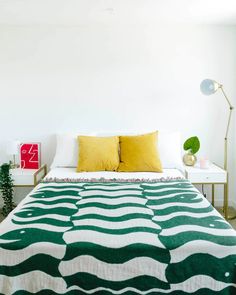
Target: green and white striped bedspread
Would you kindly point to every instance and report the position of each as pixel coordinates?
(117, 238)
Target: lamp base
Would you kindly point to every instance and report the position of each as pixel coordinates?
(231, 212)
(13, 166)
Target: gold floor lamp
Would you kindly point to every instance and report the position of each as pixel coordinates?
(209, 87)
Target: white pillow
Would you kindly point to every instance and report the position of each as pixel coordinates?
(169, 145)
(66, 151)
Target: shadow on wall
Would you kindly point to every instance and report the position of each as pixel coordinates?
(48, 149)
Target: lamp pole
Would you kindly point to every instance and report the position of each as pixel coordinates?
(209, 87)
(226, 199)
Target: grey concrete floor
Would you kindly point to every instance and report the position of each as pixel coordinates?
(233, 223)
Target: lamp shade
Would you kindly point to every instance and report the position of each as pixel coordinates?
(13, 147)
(209, 86)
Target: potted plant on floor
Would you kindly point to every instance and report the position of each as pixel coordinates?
(6, 188)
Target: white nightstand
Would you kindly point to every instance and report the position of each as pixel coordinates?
(213, 175)
(28, 177)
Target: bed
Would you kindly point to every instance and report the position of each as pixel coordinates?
(116, 233)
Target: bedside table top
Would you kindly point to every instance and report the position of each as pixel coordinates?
(214, 174)
(26, 172)
(213, 168)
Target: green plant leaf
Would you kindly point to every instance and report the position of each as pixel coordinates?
(192, 144)
(6, 189)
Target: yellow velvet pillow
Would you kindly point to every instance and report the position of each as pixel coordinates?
(98, 153)
(139, 153)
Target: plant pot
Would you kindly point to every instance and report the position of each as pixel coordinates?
(189, 159)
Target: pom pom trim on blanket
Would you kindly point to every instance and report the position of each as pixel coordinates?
(107, 180)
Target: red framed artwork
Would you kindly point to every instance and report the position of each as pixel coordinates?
(30, 155)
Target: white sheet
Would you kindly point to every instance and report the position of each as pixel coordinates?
(62, 173)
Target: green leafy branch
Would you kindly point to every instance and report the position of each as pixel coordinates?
(6, 188)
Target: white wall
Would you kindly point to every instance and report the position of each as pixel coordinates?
(110, 77)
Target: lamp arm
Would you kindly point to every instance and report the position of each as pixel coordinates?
(228, 124)
(230, 111)
(229, 103)
(226, 141)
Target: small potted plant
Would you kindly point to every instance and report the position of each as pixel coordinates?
(192, 146)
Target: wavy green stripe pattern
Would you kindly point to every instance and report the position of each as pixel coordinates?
(174, 214)
(142, 283)
(225, 291)
(120, 255)
(36, 262)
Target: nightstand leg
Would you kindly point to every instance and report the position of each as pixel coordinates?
(213, 195)
(45, 170)
(226, 201)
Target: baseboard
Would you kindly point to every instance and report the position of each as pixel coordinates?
(218, 203)
(233, 204)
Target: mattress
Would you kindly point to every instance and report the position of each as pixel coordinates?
(116, 233)
(70, 173)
